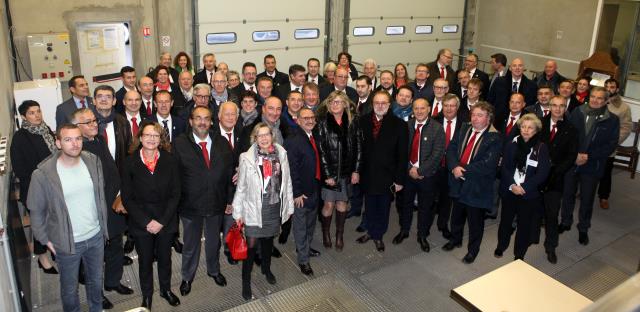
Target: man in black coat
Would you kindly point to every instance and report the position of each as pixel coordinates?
(421, 86)
(304, 162)
(270, 70)
(205, 75)
(550, 76)
(295, 82)
(128, 76)
(471, 65)
(441, 68)
(313, 72)
(339, 84)
(172, 124)
(384, 168)
(79, 88)
(562, 139)
(114, 257)
(206, 167)
(386, 83)
(504, 86)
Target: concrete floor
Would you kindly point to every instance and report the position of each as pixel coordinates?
(403, 278)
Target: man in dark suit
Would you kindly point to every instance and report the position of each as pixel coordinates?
(541, 108)
(598, 133)
(220, 94)
(500, 69)
(451, 124)
(471, 65)
(339, 84)
(386, 83)
(472, 158)
(421, 88)
(440, 89)
(296, 80)
(205, 75)
(441, 68)
(567, 89)
(462, 83)
(271, 71)
(550, 76)
(113, 127)
(313, 72)
(248, 78)
(92, 142)
(201, 97)
(505, 86)
(146, 87)
(369, 69)
(509, 127)
(474, 94)
(562, 139)
(265, 89)
(80, 98)
(311, 95)
(185, 92)
(172, 124)
(304, 162)
(165, 60)
(426, 149)
(132, 111)
(363, 88)
(128, 76)
(384, 169)
(206, 195)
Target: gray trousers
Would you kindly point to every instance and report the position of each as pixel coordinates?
(191, 235)
(304, 224)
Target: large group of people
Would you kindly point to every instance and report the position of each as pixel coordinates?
(276, 152)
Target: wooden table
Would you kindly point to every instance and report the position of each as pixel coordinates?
(518, 286)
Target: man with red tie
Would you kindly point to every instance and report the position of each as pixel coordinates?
(80, 98)
(508, 127)
(440, 89)
(426, 148)
(304, 161)
(132, 111)
(441, 68)
(472, 158)
(541, 108)
(147, 107)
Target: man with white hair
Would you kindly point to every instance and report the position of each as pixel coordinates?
(369, 68)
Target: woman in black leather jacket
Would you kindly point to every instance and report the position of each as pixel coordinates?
(340, 152)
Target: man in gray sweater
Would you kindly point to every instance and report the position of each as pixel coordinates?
(69, 214)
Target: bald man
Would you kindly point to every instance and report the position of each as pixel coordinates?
(550, 76)
(517, 82)
(441, 68)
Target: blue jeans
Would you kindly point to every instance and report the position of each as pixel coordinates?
(91, 253)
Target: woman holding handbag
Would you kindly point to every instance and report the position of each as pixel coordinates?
(263, 200)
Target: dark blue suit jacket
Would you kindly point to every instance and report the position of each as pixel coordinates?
(64, 111)
(599, 143)
(302, 161)
(178, 125)
(351, 93)
(535, 177)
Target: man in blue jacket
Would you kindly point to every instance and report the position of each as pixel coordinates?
(598, 131)
(472, 159)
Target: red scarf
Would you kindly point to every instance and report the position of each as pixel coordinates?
(376, 126)
(163, 86)
(581, 96)
(150, 164)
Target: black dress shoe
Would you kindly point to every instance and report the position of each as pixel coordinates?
(469, 258)
(185, 288)
(51, 270)
(552, 257)
(106, 304)
(276, 252)
(230, 258)
(399, 238)
(146, 302)
(313, 252)
(306, 269)
(563, 228)
(121, 289)
(177, 245)
(450, 246)
(219, 279)
(246, 292)
(424, 244)
(128, 246)
(498, 253)
(583, 238)
(126, 260)
(360, 229)
(170, 297)
(446, 233)
(363, 239)
(271, 279)
(379, 245)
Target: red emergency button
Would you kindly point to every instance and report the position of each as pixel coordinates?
(60, 74)
(44, 76)
(53, 75)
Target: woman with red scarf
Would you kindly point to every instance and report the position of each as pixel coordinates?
(582, 90)
(161, 79)
(150, 193)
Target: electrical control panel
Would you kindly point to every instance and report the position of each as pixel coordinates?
(50, 56)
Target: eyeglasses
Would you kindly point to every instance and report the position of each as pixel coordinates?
(88, 122)
(104, 97)
(337, 102)
(151, 136)
(203, 97)
(312, 118)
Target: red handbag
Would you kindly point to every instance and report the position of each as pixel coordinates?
(236, 242)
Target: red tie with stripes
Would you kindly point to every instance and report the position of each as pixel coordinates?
(466, 155)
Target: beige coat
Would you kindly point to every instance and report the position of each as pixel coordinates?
(623, 111)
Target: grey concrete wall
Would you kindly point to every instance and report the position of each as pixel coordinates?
(528, 29)
(6, 77)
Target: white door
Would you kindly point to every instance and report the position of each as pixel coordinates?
(403, 31)
(103, 52)
(237, 32)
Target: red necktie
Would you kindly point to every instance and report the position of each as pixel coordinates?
(466, 155)
(510, 125)
(104, 135)
(553, 133)
(442, 72)
(83, 104)
(447, 134)
(435, 110)
(415, 145)
(148, 108)
(230, 140)
(205, 154)
(315, 150)
(546, 112)
(134, 126)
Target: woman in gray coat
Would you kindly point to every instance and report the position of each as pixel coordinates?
(263, 200)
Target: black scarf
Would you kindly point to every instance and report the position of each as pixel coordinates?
(104, 121)
(523, 150)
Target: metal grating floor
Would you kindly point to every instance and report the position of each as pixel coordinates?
(403, 278)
